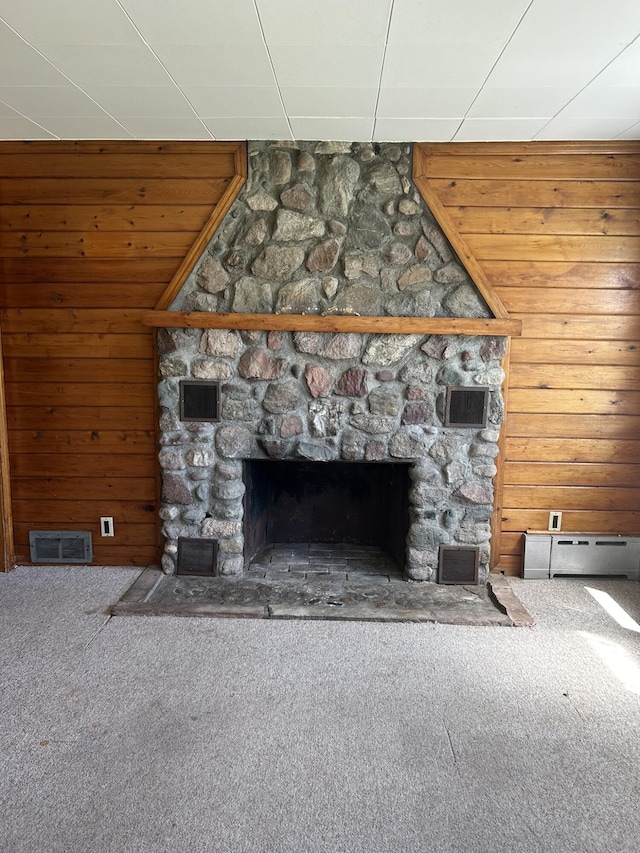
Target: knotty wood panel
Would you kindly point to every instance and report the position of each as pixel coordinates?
(91, 236)
(554, 228)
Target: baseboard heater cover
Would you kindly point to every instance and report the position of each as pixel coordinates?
(60, 546)
(550, 555)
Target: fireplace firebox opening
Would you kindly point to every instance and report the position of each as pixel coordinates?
(352, 503)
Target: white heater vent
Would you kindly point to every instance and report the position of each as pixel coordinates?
(60, 546)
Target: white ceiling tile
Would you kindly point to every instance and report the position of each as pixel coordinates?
(498, 129)
(338, 102)
(338, 129)
(49, 100)
(84, 127)
(415, 130)
(610, 101)
(69, 22)
(17, 127)
(21, 65)
(566, 49)
(458, 65)
(141, 100)
(456, 21)
(232, 101)
(625, 68)
(196, 21)
(153, 127)
(329, 66)
(243, 127)
(6, 110)
(356, 22)
(426, 103)
(521, 102)
(216, 65)
(632, 132)
(108, 64)
(583, 128)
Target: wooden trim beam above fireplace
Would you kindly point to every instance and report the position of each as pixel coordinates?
(334, 323)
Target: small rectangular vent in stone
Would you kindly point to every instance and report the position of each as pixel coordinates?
(199, 401)
(466, 407)
(60, 546)
(197, 556)
(458, 564)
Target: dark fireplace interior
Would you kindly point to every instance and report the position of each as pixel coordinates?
(357, 503)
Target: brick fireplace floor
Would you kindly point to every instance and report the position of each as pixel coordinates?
(310, 582)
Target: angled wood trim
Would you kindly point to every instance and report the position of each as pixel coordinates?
(7, 547)
(333, 323)
(498, 481)
(458, 243)
(219, 212)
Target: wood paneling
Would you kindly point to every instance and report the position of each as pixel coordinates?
(91, 237)
(555, 229)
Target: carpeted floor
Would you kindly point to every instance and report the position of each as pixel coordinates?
(149, 735)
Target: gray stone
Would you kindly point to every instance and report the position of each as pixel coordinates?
(405, 229)
(274, 340)
(342, 345)
(333, 148)
(306, 163)
(199, 457)
(307, 342)
(408, 443)
(451, 273)
(296, 197)
(407, 207)
(488, 471)
(450, 375)
(368, 229)
(423, 249)
(212, 276)
(358, 263)
(397, 253)
(477, 493)
(323, 257)
(375, 450)
(175, 489)
(298, 297)
(383, 402)
(281, 398)
(439, 347)
(206, 369)
(229, 470)
(421, 565)
(385, 376)
(389, 349)
(493, 349)
(319, 380)
(410, 303)
(278, 263)
(330, 286)
(228, 490)
(444, 449)
(281, 167)
(237, 390)
(200, 302)
(275, 449)
(226, 509)
(173, 367)
(168, 394)
(230, 565)
(484, 448)
(352, 446)
(239, 410)
(338, 179)
(221, 528)
(337, 228)
(353, 383)
(373, 424)
(252, 297)
(167, 564)
(494, 376)
(325, 417)
(256, 233)
(233, 442)
(437, 240)
(220, 342)
(262, 201)
(358, 299)
(166, 341)
(291, 225)
(416, 371)
(384, 179)
(258, 364)
(314, 452)
(456, 472)
(171, 460)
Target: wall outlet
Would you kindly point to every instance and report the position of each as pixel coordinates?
(106, 525)
(555, 521)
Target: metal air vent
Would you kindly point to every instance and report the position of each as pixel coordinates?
(60, 546)
(197, 556)
(199, 400)
(458, 564)
(466, 407)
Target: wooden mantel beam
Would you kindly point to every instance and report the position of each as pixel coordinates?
(333, 323)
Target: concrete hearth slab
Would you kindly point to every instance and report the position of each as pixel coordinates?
(361, 598)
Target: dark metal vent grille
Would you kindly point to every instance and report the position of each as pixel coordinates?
(458, 564)
(466, 407)
(197, 556)
(60, 546)
(199, 401)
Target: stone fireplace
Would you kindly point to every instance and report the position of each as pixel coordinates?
(325, 435)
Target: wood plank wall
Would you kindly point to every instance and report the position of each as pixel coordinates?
(556, 230)
(91, 235)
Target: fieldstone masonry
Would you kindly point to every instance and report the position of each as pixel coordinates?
(329, 228)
